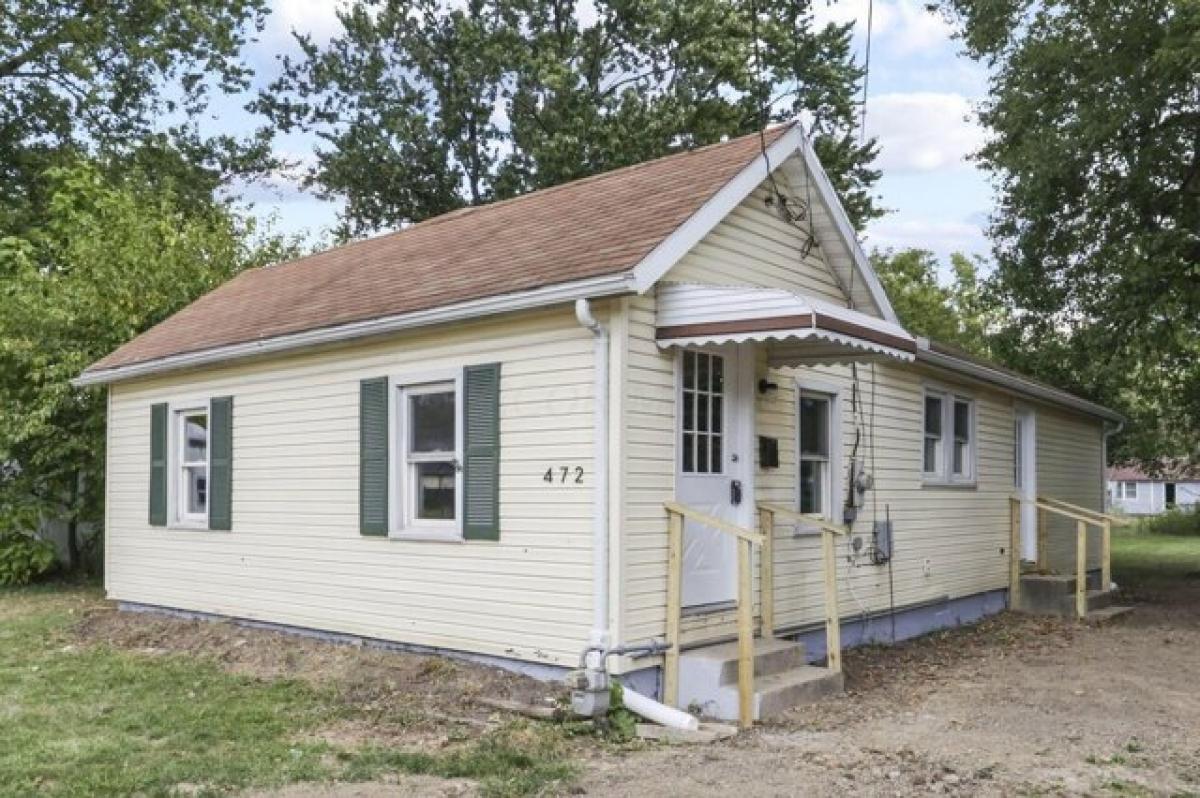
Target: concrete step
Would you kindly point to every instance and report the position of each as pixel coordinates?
(717, 665)
(1054, 594)
(1107, 615)
(774, 695)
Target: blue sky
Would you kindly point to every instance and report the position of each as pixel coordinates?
(922, 95)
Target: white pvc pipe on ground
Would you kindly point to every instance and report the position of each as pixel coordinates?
(662, 714)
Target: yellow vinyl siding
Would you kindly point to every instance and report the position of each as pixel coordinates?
(295, 555)
(1070, 466)
(753, 246)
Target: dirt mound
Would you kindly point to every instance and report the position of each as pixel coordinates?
(399, 688)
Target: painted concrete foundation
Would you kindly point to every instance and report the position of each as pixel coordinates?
(545, 673)
(910, 622)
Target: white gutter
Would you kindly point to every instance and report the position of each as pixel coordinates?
(1012, 382)
(609, 285)
(599, 636)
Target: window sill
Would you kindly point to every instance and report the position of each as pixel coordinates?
(427, 535)
(942, 483)
(190, 526)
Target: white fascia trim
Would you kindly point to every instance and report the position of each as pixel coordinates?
(837, 212)
(659, 261)
(608, 285)
(1013, 383)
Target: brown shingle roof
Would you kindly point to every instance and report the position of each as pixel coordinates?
(593, 227)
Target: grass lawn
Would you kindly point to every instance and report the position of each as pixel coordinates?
(1144, 559)
(81, 720)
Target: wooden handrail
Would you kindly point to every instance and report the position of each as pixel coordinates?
(804, 518)
(1083, 518)
(833, 628)
(712, 521)
(1115, 519)
(746, 539)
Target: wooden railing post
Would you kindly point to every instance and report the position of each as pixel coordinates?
(833, 631)
(674, 606)
(1043, 561)
(1081, 569)
(1014, 560)
(767, 577)
(745, 614)
(1106, 556)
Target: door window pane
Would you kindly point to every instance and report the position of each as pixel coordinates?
(701, 420)
(431, 416)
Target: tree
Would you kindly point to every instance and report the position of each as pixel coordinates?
(1094, 115)
(81, 76)
(109, 260)
(962, 313)
(426, 105)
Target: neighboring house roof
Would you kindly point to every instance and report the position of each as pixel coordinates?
(1172, 472)
(612, 233)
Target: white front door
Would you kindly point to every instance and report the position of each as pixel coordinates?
(1025, 477)
(712, 468)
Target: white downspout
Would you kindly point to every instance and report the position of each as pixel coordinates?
(599, 637)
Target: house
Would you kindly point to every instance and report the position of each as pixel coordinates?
(1134, 492)
(464, 436)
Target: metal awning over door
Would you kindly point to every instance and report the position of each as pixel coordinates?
(795, 328)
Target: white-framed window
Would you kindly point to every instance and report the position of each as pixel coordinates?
(948, 450)
(427, 481)
(191, 466)
(815, 449)
(1127, 490)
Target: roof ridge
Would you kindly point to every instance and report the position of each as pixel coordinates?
(458, 213)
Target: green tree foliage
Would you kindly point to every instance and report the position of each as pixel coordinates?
(961, 313)
(108, 260)
(85, 76)
(425, 105)
(1094, 114)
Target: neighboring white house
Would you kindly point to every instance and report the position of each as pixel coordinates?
(461, 436)
(1132, 491)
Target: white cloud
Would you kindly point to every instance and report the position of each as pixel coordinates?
(923, 131)
(941, 236)
(916, 29)
(902, 27)
(315, 17)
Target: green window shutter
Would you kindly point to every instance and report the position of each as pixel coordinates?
(373, 456)
(481, 447)
(158, 465)
(220, 463)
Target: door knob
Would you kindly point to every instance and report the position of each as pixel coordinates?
(735, 492)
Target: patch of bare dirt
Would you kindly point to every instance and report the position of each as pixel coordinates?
(407, 699)
(410, 786)
(1014, 705)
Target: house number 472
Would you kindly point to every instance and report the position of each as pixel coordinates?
(563, 474)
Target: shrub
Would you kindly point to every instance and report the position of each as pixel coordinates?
(1179, 522)
(23, 557)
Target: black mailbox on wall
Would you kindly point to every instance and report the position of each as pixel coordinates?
(768, 452)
